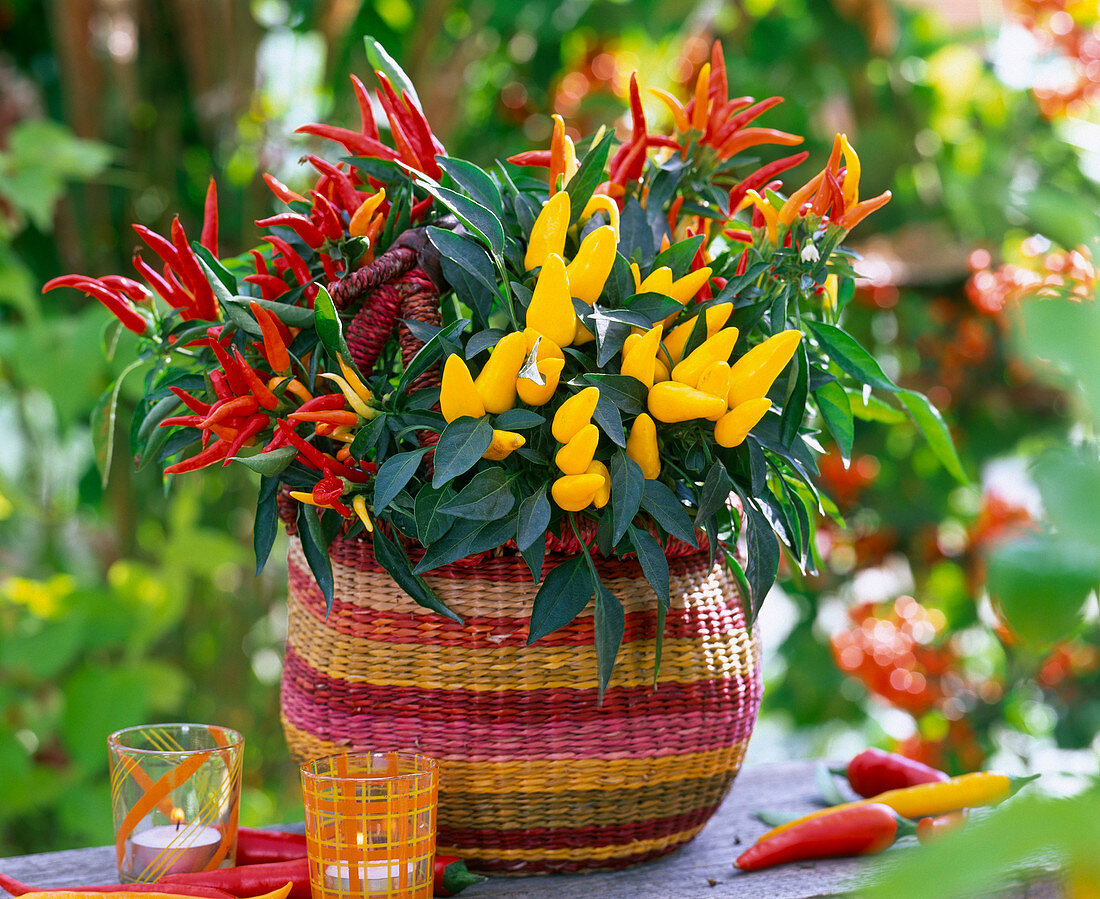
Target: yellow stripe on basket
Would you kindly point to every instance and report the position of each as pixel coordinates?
(552, 775)
(598, 853)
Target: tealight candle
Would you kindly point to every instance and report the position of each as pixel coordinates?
(171, 849)
(379, 875)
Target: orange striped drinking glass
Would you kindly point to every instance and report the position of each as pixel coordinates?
(370, 824)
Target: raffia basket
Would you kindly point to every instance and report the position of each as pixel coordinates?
(536, 776)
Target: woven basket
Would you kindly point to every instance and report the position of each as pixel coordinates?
(535, 775)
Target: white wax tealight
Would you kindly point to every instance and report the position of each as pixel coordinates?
(169, 849)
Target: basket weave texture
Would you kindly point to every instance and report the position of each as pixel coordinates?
(535, 775)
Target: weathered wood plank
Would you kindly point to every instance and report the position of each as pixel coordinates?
(701, 870)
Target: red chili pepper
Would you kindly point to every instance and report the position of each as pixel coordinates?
(159, 245)
(299, 224)
(290, 255)
(859, 830)
(274, 348)
(217, 381)
(128, 287)
(195, 405)
(118, 304)
(191, 273)
(875, 771)
(18, 888)
(235, 407)
(743, 262)
(190, 421)
(256, 386)
(355, 143)
(366, 113)
(328, 490)
(451, 876)
(341, 183)
(209, 238)
(233, 375)
(539, 158)
(330, 222)
(324, 402)
(739, 121)
(250, 880)
(264, 846)
(420, 209)
(334, 417)
(213, 453)
(318, 459)
(271, 286)
(251, 427)
(931, 829)
(281, 191)
(763, 175)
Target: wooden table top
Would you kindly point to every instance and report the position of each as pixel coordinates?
(701, 870)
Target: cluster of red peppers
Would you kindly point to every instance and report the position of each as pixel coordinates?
(895, 791)
(271, 864)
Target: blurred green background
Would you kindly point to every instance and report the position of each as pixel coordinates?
(123, 604)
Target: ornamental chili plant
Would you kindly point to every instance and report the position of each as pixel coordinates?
(616, 342)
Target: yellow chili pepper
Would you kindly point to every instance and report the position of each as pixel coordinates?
(534, 395)
(641, 359)
(582, 335)
(457, 394)
(641, 446)
(717, 316)
(603, 203)
(304, 496)
(683, 289)
(576, 455)
(588, 271)
(671, 401)
(360, 222)
(657, 281)
(714, 349)
(604, 493)
(293, 386)
(504, 443)
(789, 212)
(547, 348)
(574, 414)
(661, 371)
(573, 492)
(832, 290)
(361, 389)
(715, 380)
(938, 798)
(733, 427)
(496, 385)
(770, 213)
(551, 309)
(359, 504)
(679, 117)
(548, 232)
(850, 188)
(754, 373)
(350, 395)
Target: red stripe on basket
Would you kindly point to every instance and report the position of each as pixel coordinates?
(495, 725)
(573, 837)
(428, 628)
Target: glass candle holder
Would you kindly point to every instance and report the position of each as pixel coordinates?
(175, 793)
(370, 824)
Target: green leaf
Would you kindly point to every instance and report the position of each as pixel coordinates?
(266, 526)
(668, 511)
(222, 281)
(794, 406)
(609, 420)
(763, 553)
(519, 420)
(469, 257)
(461, 444)
(826, 785)
(487, 497)
(836, 412)
(476, 182)
(716, 491)
(609, 625)
(292, 316)
(481, 222)
(935, 431)
(393, 475)
(369, 435)
(391, 556)
(465, 538)
(628, 394)
(654, 307)
(427, 355)
(103, 422)
(627, 487)
(329, 328)
(659, 641)
(654, 562)
(866, 407)
(588, 176)
(534, 556)
(532, 519)
(679, 256)
(849, 356)
(271, 463)
(431, 523)
(381, 61)
(1040, 583)
(563, 595)
(315, 549)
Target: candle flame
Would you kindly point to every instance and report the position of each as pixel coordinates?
(177, 817)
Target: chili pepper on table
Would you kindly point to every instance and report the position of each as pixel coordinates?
(931, 799)
(18, 888)
(875, 771)
(931, 829)
(248, 880)
(859, 830)
(256, 846)
(451, 876)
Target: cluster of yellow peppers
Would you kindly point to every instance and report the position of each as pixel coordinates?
(702, 385)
